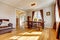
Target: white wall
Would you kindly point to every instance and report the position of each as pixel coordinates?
(29, 13)
(49, 20)
(8, 12)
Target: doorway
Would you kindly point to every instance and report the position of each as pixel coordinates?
(22, 20)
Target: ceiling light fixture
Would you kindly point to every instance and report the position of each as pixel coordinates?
(33, 4)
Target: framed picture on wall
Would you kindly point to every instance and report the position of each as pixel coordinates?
(48, 13)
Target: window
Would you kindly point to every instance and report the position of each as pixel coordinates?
(37, 16)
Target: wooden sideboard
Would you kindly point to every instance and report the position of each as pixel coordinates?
(34, 24)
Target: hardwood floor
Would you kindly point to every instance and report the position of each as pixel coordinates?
(48, 34)
(6, 35)
(30, 34)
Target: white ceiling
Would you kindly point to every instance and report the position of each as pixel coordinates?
(26, 4)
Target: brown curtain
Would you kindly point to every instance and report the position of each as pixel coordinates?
(58, 2)
(54, 26)
(33, 14)
(41, 11)
(59, 13)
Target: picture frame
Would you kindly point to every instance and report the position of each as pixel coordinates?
(48, 13)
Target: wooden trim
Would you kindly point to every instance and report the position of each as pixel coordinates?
(17, 21)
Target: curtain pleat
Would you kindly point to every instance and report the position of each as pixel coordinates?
(41, 11)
